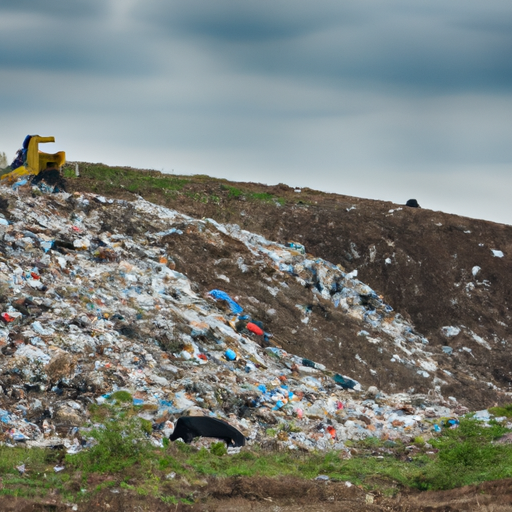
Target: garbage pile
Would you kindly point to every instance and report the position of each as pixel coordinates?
(92, 305)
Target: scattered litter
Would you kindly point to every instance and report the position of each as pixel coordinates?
(109, 312)
(450, 331)
(220, 295)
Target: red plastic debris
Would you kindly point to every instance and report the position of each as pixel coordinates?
(75, 228)
(7, 318)
(332, 431)
(203, 357)
(255, 329)
(35, 276)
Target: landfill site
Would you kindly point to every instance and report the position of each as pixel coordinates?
(250, 316)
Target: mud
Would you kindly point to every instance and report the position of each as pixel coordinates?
(284, 495)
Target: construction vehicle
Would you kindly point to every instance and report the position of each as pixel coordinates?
(30, 161)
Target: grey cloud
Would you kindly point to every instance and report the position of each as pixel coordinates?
(231, 21)
(367, 98)
(83, 47)
(423, 48)
(55, 8)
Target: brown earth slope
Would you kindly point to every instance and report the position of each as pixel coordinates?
(436, 269)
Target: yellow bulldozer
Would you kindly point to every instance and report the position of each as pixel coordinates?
(30, 161)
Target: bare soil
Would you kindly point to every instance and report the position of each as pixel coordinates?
(285, 495)
(420, 260)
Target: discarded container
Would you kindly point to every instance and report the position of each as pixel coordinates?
(251, 326)
(230, 355)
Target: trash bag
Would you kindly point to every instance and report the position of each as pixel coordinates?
(345, 383)
(189, 427)
(251, 326)
(220, 295)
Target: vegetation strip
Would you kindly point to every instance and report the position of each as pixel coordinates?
(122, 458)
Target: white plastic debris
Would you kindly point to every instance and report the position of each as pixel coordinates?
(450, 331)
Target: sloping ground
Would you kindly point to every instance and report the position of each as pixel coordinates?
(102, 294)
(436, 269)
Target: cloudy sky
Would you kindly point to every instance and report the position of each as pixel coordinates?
(387, 99)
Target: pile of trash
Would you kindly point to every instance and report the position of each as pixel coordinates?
(91, 307)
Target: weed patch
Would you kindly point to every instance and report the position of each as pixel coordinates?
(123, 457)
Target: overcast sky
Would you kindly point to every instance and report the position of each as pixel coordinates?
(387, 99)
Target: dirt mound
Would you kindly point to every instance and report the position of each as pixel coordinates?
(449, 275)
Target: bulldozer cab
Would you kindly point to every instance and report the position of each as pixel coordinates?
(32, 161)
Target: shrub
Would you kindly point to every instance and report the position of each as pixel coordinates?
(121, 442)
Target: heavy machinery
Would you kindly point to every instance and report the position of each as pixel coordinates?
(29, 160)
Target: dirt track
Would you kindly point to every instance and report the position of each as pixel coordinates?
(286, 495)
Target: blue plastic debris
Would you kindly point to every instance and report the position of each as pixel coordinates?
(19, 184)
(220, 295)
(230, 354)
(138, 401)
(46, 246)
(298, 247)
(169, 232)
(344, 383)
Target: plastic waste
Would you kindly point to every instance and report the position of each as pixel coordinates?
(220, 295)
(230, 354)
(297, 246)
(251, 326)
(344, 382)
(121, 319)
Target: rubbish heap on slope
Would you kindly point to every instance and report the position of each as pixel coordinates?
(88, 311)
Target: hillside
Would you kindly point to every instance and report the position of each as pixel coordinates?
(345, 339)
(437, 270)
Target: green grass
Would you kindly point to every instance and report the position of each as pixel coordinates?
(505, 410)
(123, 457)
(108, 179)
(159, 187)
(467, 455)
(265, 197)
